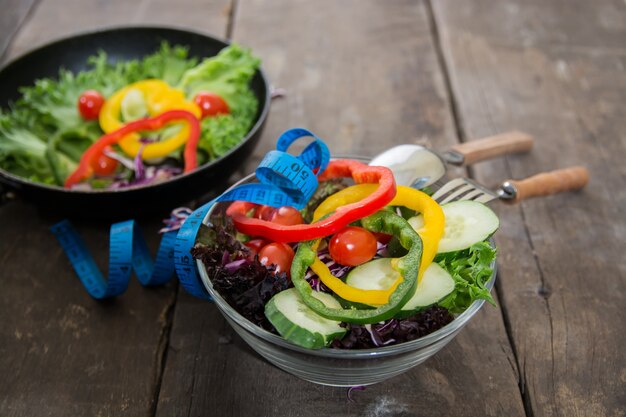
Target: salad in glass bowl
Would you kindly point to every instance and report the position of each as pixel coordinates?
(394, 279)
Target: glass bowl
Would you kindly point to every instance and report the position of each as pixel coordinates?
(337, 367)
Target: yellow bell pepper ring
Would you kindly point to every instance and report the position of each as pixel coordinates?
(348, 292)
(430, 233)
(159, 97)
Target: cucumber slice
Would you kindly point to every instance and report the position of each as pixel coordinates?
(467, 222)
(133, 105)
(379, 275)
(435, 285)
(373, 275)
(296, 322)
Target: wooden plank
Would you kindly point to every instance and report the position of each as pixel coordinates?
(556, 70)
(364, 76)
(52, 20)
(13, 14)
(62, 353)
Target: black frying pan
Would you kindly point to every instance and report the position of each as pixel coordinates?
(122, 44)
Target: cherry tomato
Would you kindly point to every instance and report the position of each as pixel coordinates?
(211, 104)
(352, 246)
(264, 212)
(89, 104)
(241, 207)
(278, 254)
(286, 215)
(104, 165)
(255, 245)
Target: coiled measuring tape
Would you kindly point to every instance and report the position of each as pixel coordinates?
(284, 180)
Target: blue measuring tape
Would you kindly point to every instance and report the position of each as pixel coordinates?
(284, 180)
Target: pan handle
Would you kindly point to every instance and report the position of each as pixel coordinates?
(490, 147)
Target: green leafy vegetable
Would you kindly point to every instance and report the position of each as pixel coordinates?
(23, 153)
(471, 269)
(42, 135)
(228, 74)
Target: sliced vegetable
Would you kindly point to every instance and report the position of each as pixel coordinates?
(379, 274)
(133, 105)
(89, 104)
(467, 223)
(436, 284)
(390, 302)
(48, 111)
(344, 212)
(408, 197)
(158, 97)
(85, 169)
(296, 322)
(352, 246)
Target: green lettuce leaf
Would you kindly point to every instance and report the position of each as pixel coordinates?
(228, 74)
(471, 269)
(23, 153)
(43, 136)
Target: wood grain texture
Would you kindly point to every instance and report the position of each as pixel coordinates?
(56, 19)
(13, 14)
(364, 76)
(62, 353)
(557, 70)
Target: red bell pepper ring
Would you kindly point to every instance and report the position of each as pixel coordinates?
(344, 215)
(85, 170)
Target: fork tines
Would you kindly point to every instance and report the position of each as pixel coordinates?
(463, 189)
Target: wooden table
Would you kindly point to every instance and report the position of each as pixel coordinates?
(365, 75)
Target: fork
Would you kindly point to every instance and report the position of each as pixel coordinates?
(514, 191)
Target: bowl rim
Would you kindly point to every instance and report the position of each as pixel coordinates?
(383, 351)
(265, 106)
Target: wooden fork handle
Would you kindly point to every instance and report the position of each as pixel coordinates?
(548, 183)
(493, 146)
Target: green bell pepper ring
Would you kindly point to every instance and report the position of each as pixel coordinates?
(408, 266)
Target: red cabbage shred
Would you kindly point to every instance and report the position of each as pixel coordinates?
(394, 331)
(248, 287)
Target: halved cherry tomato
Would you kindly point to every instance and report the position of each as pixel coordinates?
(352, 246)
(104, 165)
(89, 104)
(255, 245)
(278, 254)
(211, 104)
